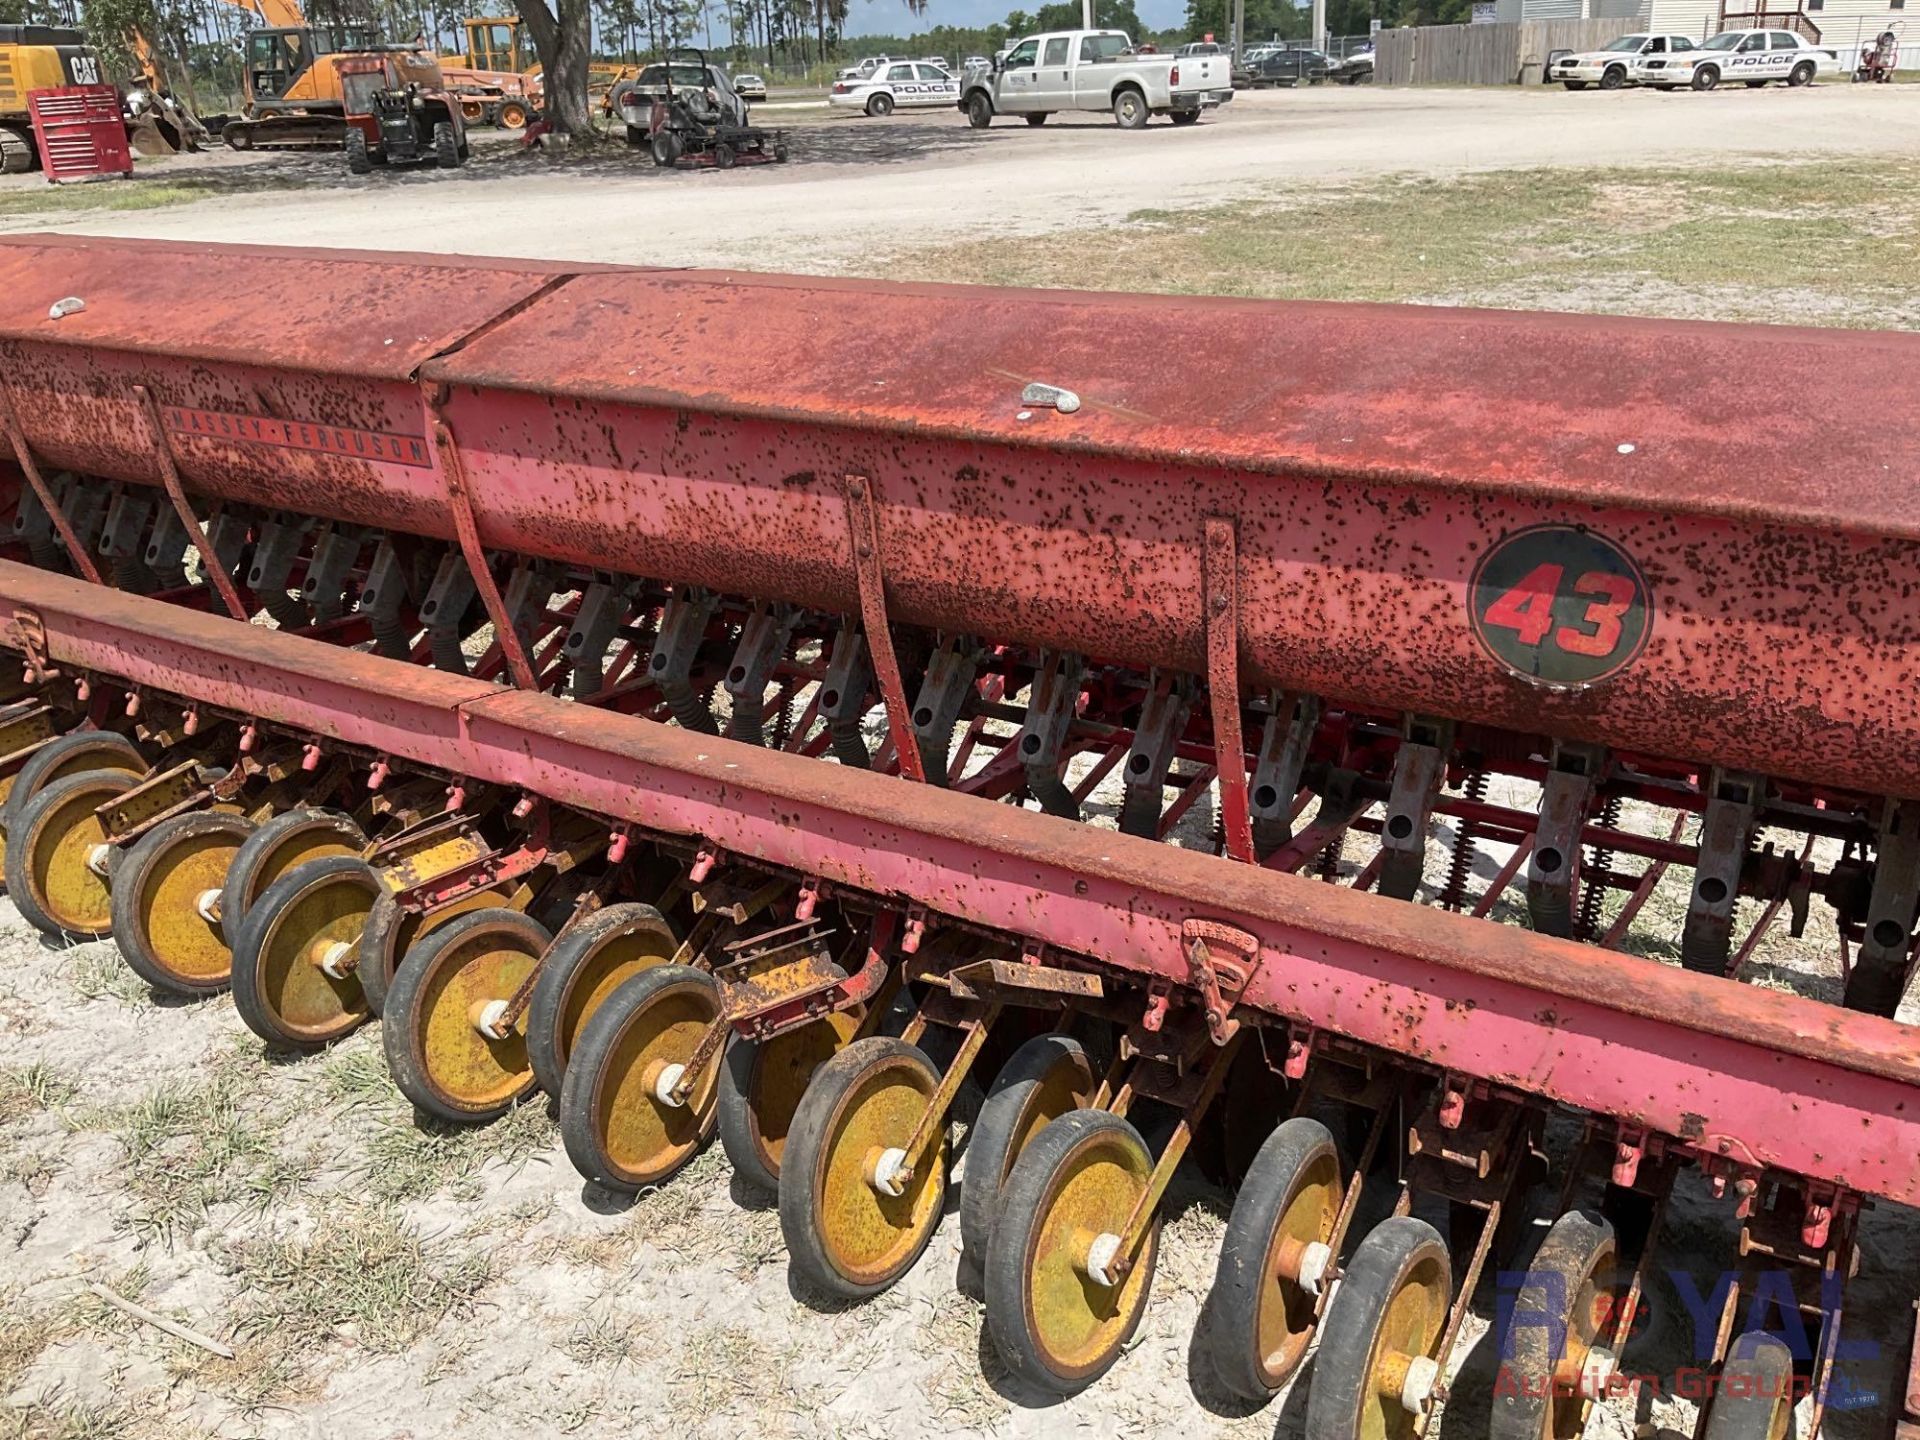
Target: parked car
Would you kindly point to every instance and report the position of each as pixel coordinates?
(750, 87)
(865, 68)
(1291, 67)
(1752, 56)
(632, 100)
(977, 62)
(1201, 47)
(1614, 64)
(1096, 70)
(902, 84)
(1356, 69)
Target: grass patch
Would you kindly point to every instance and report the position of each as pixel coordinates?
(26, 1090)
(1755, 241)
(360, 1275)
(410, 1156)
(97, 972)
(138, 193)
(194, 1145)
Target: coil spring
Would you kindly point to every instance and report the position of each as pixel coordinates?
(1453, 893)
(1327, 863)
(390, 637)
(782, 725)
(131, 573)
(287, 612)
(1593, 892)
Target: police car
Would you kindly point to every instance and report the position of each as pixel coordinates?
(1613, 66)
(1752, 56)
(903, 83)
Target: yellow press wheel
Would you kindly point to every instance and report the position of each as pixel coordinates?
(761, 1090)
(1044, 1079)
(393, 930)
(66, 755)
(294, 976)
(1275, 1260)
(275, 847)
(58, 858)
(1377, 1366)
(1566, 1300)
(1754, 1393)
(624, 1124)
(166, 910)
(853, 1222)
(586, 965)
(450, 1043)
(1061, 1298)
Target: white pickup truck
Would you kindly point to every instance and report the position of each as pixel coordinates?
(1095, 70)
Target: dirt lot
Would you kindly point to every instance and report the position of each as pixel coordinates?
(857, 183)
(379, 1275)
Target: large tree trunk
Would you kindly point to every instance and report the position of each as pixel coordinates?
(565, 44)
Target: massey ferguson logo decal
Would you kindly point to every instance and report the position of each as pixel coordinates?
(301, 435)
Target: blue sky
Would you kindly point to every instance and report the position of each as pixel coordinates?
(890, 17)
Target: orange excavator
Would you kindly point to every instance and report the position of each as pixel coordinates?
(292, 80)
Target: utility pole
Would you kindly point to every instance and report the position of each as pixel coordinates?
(1086, 14)
(1240, 28)
(1320, 25)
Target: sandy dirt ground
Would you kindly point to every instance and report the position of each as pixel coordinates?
(857, 183)
(378, 1275)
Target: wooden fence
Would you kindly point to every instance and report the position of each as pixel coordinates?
(1498, 54)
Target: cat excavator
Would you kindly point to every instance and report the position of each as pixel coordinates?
(36, 57)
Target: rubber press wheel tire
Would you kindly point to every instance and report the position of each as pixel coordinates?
(1613, 77)
(66, 755)
(979, 110)
(581, 969)
(1130, 110)
(1393, 1299)
(1753, 1399)
(446, 146)
(392, 931)
(761, 1089)
(49, 843)
(1566, 1299)
(1802, 75)
(1262, 1319)
(879, 105)
(1705, 77)
(1044, 1079)
(845, 1235)
(275, 847)
(157, 920)
(282, 994)
(618, 1132)
(1055, 1326)
(359, 158)
(439, 1057)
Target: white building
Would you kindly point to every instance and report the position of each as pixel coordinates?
(1842, 26)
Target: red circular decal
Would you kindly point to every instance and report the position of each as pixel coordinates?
(1560, 605)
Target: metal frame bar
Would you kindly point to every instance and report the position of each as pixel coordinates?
(1724, 1069)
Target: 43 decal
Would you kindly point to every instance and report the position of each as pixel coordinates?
(1560, 605)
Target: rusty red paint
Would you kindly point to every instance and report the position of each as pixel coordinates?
(1756, 1077)
(656, 424)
